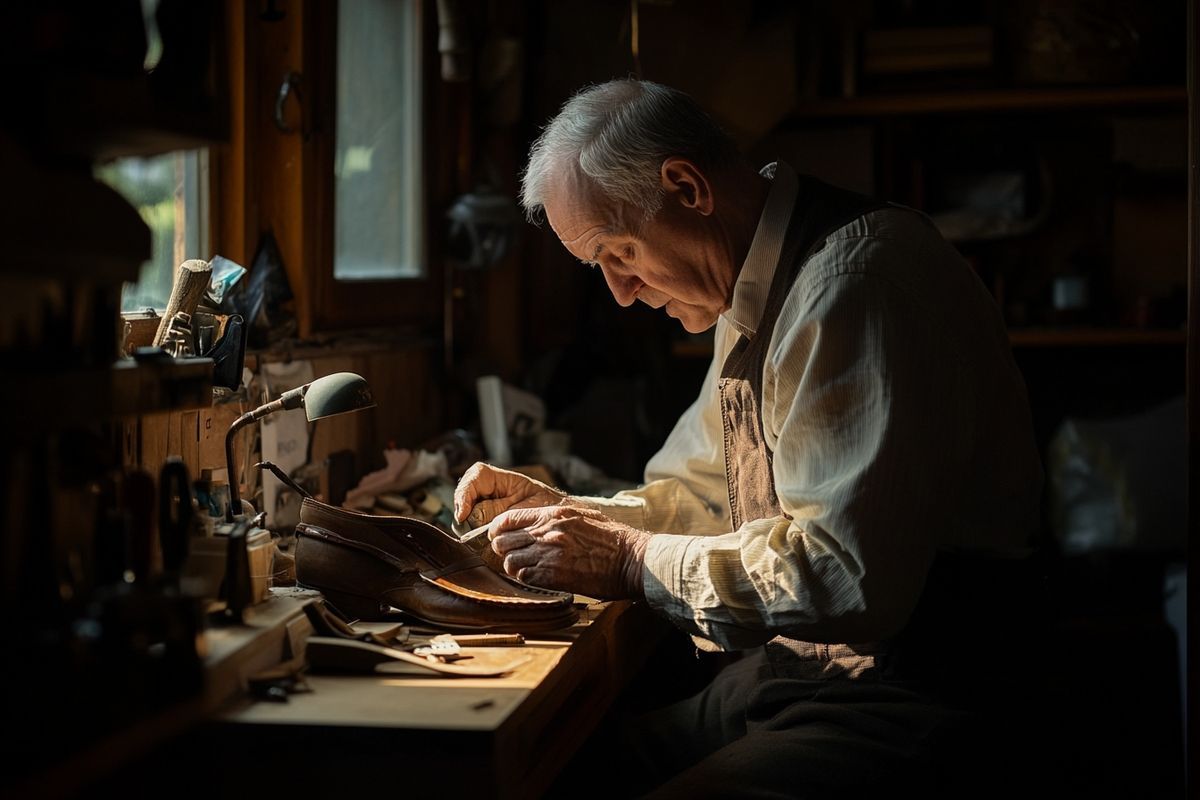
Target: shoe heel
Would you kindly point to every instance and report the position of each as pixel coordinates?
(352, 607)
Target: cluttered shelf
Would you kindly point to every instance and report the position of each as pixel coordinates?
(995, 100)
(701, 347)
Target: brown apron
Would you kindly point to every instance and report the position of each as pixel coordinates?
(943, 613)
(748, 458)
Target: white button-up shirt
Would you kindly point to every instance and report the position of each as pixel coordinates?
(899, 425)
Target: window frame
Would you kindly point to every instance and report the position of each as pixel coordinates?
(409, 303)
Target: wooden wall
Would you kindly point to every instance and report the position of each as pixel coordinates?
(408, 412)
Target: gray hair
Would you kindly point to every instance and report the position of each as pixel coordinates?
(619, 133)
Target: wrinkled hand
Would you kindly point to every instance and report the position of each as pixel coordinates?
(487, 491)
(571, 549)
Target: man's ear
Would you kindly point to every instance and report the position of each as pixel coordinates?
(684, 181)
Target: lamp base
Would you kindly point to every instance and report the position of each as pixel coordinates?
(204, 570)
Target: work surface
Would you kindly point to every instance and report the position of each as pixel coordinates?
(505, 737)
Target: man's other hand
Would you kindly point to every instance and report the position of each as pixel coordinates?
(571, 549)
(487, 491)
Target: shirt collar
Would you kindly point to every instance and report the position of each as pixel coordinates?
(754, 280)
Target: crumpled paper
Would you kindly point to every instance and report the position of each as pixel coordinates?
(403, 470)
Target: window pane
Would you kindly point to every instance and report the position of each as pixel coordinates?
(167, 192)
(376, 162)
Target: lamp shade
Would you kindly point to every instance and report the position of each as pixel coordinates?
(336, 394)
(333, 394)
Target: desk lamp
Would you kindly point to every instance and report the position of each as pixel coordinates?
(338, 393)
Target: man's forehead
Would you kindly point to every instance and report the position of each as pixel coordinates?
(569, 183)
(573, 204)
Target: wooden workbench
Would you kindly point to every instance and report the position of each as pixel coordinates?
(496, 737)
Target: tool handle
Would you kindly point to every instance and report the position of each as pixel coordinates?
(191, 280)
(175, 513)
(236, 589)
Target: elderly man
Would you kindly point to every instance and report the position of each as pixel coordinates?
(861, 423)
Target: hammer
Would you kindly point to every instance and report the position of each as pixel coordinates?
(191, 280)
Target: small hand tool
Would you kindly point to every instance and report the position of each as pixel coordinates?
(489, 639)
(476, 538)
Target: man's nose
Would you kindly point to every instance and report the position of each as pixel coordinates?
(624, 287)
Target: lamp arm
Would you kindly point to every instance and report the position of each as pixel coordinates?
(293, 398)
(235, 500)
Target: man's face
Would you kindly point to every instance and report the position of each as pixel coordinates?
(662, 262)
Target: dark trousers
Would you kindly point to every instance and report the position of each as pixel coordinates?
(816, 728)
(751, 734)
(950, 709)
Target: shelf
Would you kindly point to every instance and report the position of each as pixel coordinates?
(55, 400)
(148, 138)
(63, 224)
(102, 117)
(1020, 337)
(989, 100)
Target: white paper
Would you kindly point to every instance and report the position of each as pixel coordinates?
(284, 433)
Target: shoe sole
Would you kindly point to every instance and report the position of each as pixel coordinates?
(357, 607)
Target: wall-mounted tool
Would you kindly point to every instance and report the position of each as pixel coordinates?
(291, 85)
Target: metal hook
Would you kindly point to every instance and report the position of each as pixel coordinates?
(291, 83)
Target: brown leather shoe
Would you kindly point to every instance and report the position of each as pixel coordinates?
(367, 565)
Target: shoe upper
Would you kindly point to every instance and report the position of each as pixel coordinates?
(414, 546)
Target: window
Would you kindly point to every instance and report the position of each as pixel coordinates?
(376, 162)
(345, 180)
(170, 192)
